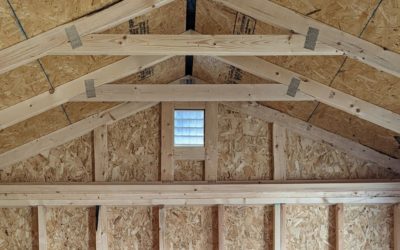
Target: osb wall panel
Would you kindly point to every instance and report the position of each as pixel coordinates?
(132, 228)
(10, 33)
(70, 162)
(248, 227)
(384, 28)
(308, 159)
(244, 147)
(191, 228)
(356, 129)
(32, 128)
(368, 227)
(16, 228)
(310, 227)
(134, 147)
(67, 228)
(189, 170)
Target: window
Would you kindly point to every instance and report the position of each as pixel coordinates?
(189, 128)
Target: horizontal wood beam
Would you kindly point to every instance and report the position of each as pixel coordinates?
(355, 47)
(222, 45)
(191, 92)
(314, 133)
(12, 195)
(71, 132)
(39, 46)
(46, 101)
(321, 92)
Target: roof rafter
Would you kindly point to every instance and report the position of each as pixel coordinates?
(45, 101)
(38, 46)
(321, 92)
(195, 44)
(362, 50)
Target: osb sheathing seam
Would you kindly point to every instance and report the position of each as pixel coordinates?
(10, 33)
(186, 170)
(368, 227)
(134, 147)
(67, 228)
(244, 147)
(248, 227)
(132, 228)
(70, 162)
(16, 228)
(310, 160)
(191, 228)
(310, 227)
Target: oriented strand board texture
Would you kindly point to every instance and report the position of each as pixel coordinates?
(310, 227)
(191, 228)
(132, 228)
(368, 227)
(134, 147)
(70, 162)
(248, 227)
(67, 228)
(356, 129)
(384, 28)
(244, 147)
(308, 159)
(10, 33)
(189, 170)
(32, 128)
(16, 228)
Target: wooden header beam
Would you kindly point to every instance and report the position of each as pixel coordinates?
(364, 51)
(39, 46)
(192, 93)
(12, 195)
(321, 92)
(187, 44)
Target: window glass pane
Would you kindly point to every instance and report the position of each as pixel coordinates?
(189, 128)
